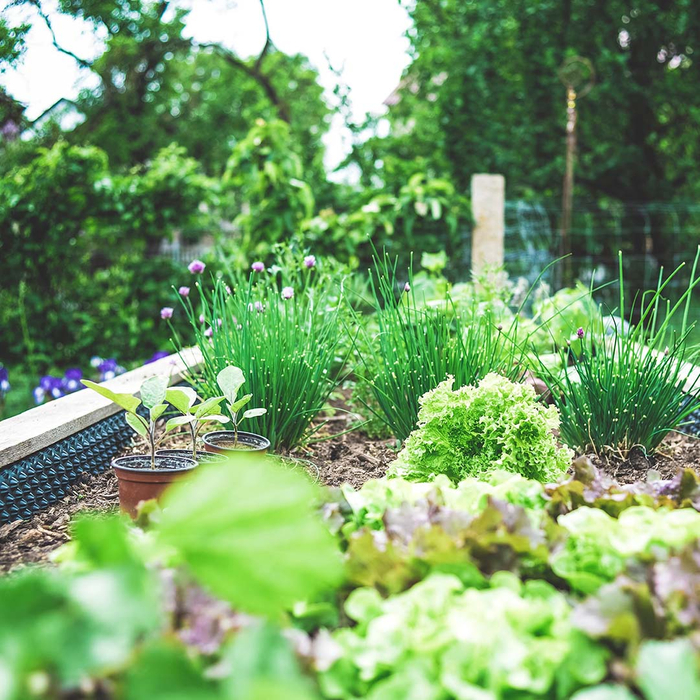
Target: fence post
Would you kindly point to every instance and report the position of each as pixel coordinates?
(488, 211)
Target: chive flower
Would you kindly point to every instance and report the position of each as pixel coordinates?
(310, 261)
(201, 318)
(184, 291)
(209, 332)
(166, 312)
(196, 267)
(258, 267)
(580, 333)
(287, 293)
(407, 287)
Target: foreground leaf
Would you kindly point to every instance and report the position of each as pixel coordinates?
(247, 531)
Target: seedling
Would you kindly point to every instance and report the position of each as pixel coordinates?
(152, 392)
(195, 417)
(230, 380)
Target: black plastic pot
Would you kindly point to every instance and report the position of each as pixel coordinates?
(224, 442)
(202, 456)
(138, 482)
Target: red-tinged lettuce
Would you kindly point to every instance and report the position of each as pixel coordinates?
(473, 431)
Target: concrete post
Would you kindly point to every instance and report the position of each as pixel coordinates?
(488, 211)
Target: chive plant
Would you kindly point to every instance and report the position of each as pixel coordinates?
(412, 348)
(284, 338)
(629, 388)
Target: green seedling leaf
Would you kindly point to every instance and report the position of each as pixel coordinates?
(230, 380)
(136, 422)
(234, 408)
(157, 412)
(209, 406)
(126, 401)
(215, 419)
(182, 398)
(668, 670)
(178, 421)
(254, 412)
(249, 534)
(153, 391)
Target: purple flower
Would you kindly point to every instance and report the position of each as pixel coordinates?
(39, 395)
(259, 306)
(159, 355)
(209, 332)
(109, 369)
(201, 318)
(71, 379)
(196, 267)
(258, 267)
(310, 261)
(407, 287)
(184, 291)
(287, 293)
(580, 333)
(4, 381)
(166, 312)
(10, 130)
(52, 386)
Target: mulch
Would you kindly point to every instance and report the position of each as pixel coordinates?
(349, 457)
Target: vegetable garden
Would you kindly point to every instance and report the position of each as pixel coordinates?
(522, 520)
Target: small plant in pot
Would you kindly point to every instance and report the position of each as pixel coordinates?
(143, 477)
(230, 380)
(195, 417)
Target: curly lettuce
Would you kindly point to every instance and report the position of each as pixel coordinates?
(473, 431)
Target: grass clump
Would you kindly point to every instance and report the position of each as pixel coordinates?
(471, 431)
(407, 348)
(629, 388)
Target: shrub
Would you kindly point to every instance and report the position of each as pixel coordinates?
(283, 331)
(472, 431)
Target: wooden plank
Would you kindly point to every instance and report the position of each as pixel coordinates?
(45, 425)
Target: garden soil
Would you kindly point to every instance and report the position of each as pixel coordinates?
(347, 458)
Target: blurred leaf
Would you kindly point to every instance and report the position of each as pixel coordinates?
(668, 670)
(153, 391)
(248, 533)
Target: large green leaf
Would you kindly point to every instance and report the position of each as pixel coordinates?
(158, 411)
(153, 391)
(209, 406)
(230, 380)
(126, 401)
(668, 670)
(255, 412)
(183, 398)
(238, 405)
(263, 667)
(248, 532)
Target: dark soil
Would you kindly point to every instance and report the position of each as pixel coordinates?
(164, 463)
(676, 452)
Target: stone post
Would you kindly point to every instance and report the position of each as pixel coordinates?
(488, 211)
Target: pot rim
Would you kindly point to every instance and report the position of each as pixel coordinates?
(260, 441)
(189, 465)
(168, 452)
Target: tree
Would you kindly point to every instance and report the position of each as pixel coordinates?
(482, 94)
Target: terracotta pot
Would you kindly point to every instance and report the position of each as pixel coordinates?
(221, 441)
(138, 482)
(202, 457)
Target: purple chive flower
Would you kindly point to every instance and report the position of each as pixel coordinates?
(196, 267)
(259, 307)
(4, 381)
(287, 293)
(184, 291)
(209, 332)
(201, 318)
(310, 261)
(580, 333)
(166, 312)
(407, 287)
(258, 267)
